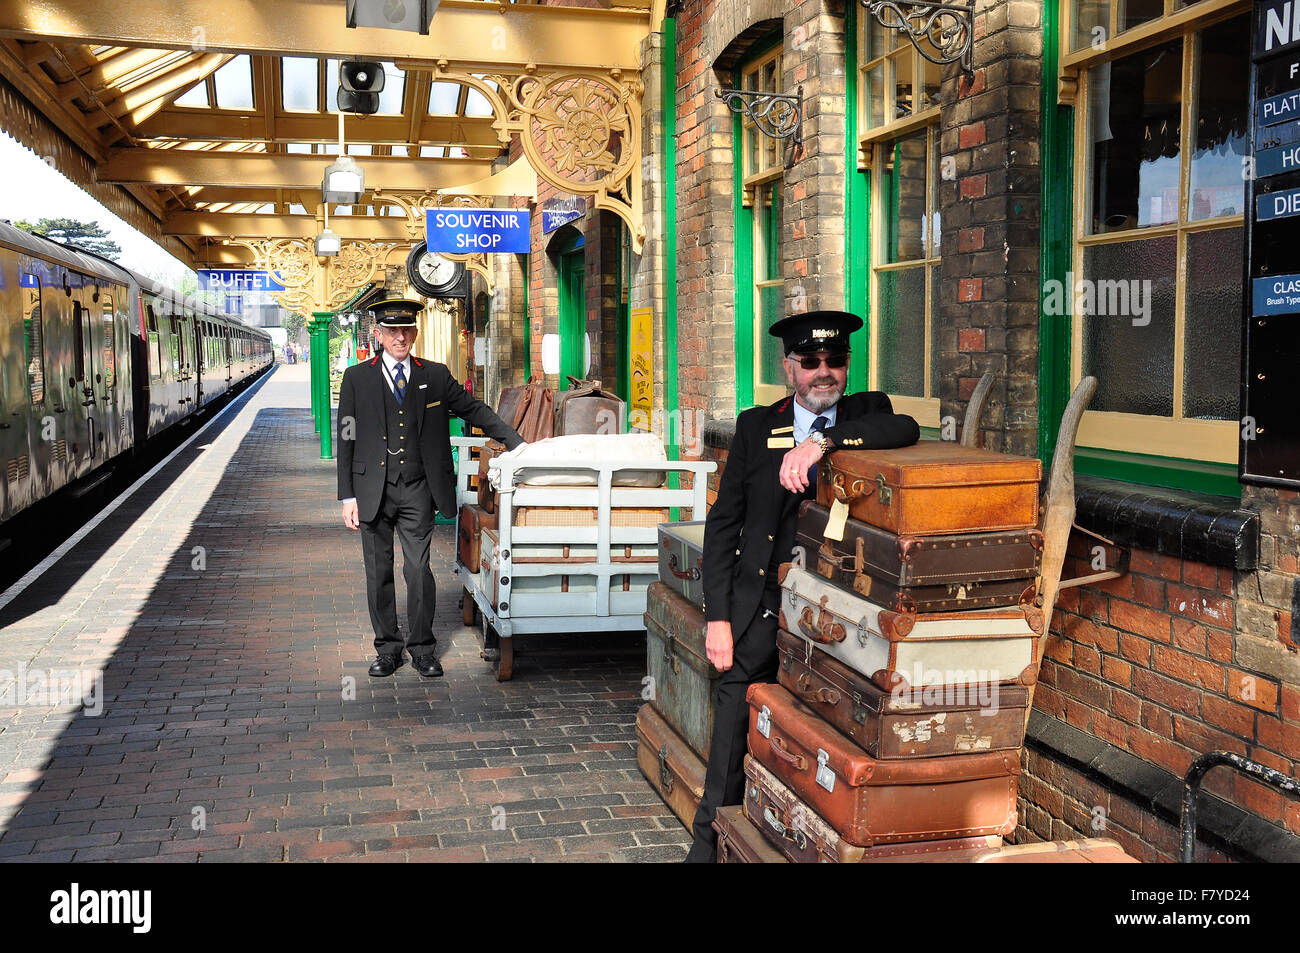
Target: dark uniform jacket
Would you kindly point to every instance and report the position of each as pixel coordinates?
(431, 394)
(754, 514)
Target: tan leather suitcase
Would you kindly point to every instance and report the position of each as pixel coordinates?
(919, 573)
(682, 677)
(916, 723)
(739, 842)
(1092, 850)
(804, 838)
(586, 408)
(869, 802)
(469, 533)
(933, 487)
(669, 764)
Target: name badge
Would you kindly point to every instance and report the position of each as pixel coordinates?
(423, 386)
(777, 430)
(434, 404)
(780, 443)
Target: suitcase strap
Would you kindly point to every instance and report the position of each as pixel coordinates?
(859, 489)
(824, 630)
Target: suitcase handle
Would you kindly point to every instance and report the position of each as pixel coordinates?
(784, 831)
(860, 489)
(692, 574)
(665, 776)
(670, 652)
(853, 564)
(824, 695)
(796, 761)
(825, 630)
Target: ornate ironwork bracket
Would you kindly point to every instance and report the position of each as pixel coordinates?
(949, 27)
(775, 115)
(415, 204)
(312, 284)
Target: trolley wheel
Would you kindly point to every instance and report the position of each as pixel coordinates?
(468, 609)
(505, 664)
(491, 642)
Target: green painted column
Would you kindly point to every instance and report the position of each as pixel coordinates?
(319, 329)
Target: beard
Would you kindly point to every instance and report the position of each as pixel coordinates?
(821, 400)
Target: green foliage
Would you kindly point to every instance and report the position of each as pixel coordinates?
(293, 324)
(88, 236)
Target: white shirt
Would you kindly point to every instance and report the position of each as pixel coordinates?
(804, 419)
(391, 364)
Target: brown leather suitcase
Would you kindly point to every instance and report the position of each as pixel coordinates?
(869, 802)
(739, 841)
(804, 838)
(469, 533)
(669, 765)
(921, 573)
(914, 723)
(586, 408)
(682, 678)
(1092, 850)
(933, 487)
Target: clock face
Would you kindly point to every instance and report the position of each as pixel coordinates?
(436, 270)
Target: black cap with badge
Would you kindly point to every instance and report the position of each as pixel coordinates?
(396, 312)
(816, 331)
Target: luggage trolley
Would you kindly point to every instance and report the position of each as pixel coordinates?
(587, 574)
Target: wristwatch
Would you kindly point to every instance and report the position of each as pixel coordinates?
(821, 440)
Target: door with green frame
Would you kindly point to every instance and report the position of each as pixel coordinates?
(573, 311)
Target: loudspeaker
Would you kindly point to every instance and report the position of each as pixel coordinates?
(361, 76)
(364, 104)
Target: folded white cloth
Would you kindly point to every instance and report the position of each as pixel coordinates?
(543, 457)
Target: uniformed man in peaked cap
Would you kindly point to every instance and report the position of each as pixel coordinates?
(750, 531)
(394, 469)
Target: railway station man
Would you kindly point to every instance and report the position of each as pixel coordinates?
(395, 469)
(750, 530)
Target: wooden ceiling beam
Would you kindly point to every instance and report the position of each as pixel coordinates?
(180, 123)
(252, 225)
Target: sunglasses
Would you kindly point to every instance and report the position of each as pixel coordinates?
(811, 363)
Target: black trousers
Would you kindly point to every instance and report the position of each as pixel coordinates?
(754, 659)
(408, 509)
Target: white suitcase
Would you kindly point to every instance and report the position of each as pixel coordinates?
(904, 650)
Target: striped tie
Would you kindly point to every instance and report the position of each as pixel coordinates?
(399, 383)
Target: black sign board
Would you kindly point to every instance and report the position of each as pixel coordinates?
(1270, 388)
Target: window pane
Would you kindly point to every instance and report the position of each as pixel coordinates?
(1134, 123)
(901, 348)
(1212, 353)
(873, 97)
(444, 98)
(1222, 117)
(930, 79)
(903, 182)
(879, 41)
(234, 83)
(476, 104)
(1128, 282)
(1091, 22)
(196, 95)
(1135, 12)
(931, 306)
(110, 364)
(35, 337)
(392, 95)
(298, 79)
(770, 370)
(904, 66)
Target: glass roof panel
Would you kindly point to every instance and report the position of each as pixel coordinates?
(298, 148)
(476, 104)
(436, 152)
(444, 98)
(196, 95)
(390, 99)
(401, 151)
(235, 84)
(296, 209)
(298, 81)
(360, 150)
(332, 85)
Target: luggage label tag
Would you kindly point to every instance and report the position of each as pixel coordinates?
(835, 521)
(825, 776)
(764, 723)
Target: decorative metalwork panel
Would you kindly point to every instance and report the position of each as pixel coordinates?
(310, 286)
(415, 204)
(947, 28)
(776, 115)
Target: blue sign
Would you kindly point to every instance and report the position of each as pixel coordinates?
(1274, 161)
(466, 230)
(1279, 108)
(1283, 204)
(28, 281)
(1278, 135)
(1278, 294)
(234, 304)
(237, 279)
(557, 212)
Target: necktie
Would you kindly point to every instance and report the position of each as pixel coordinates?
(817, 427)
(399, 383)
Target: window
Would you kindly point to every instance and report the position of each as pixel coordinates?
(762, 154)
(110, 345)
(905, 273)
(897, 87)
(769, 374)
(1160, 141)
(175, 341)
(299, 84)
(79, 340)
(234, 84)
(34, 336)
(155, 345)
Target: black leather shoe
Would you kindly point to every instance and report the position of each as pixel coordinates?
(385, 665)
(428, 666)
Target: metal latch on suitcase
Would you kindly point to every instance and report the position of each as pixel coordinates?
(665, 776)
(788, 833)
(764, 723)
(825, 776)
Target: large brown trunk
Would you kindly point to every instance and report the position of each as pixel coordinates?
(669, 765)
(739, 841)
(681, 677)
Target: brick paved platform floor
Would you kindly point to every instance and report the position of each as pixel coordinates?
(224, 606)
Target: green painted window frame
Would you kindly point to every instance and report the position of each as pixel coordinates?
(1056, 147)
(857, 208)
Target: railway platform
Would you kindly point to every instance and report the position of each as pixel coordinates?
(213, 632)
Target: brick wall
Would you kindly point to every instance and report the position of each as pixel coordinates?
(988, 300)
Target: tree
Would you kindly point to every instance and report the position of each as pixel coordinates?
(88, 236)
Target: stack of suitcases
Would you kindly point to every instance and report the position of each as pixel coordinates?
(908, 640)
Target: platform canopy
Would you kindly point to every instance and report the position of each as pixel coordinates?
(208, 125)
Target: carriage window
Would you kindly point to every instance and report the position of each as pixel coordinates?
(79, 340)
(155, 345)
(34, 336)
(110, 364)
(176, 347)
